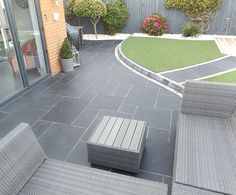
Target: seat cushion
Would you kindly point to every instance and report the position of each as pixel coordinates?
(61, 178)
(206, 153)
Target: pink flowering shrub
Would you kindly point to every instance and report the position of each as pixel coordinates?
(155, 25)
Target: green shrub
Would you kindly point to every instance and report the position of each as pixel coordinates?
(93, 9)
(191, 30)
(66, 49)
(116, 18)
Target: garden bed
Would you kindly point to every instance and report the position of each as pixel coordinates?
(160, 54)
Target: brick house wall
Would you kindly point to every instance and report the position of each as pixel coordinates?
(54, 32)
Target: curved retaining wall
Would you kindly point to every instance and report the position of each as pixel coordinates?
(163, 80)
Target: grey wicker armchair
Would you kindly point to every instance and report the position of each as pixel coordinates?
(25, 170)
(205, 156)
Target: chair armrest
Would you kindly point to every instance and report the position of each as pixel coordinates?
(209, 99)
(20, 157)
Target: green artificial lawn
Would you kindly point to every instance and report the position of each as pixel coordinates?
(158, 54)
(229, 77)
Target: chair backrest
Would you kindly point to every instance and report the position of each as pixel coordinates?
(209, 99)
(20, 157)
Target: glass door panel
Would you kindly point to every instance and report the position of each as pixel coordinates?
(25, 16)
(10, 77)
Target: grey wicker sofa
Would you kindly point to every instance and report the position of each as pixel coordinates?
(205, 152)
(25, 170)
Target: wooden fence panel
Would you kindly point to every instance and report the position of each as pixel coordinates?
(223, 23)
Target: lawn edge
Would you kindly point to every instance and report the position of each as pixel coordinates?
(214, 75)
(196, 65)
(168, 84)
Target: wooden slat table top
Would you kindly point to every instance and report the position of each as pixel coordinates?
(119, 133)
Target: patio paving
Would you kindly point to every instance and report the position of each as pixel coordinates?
(64, 110)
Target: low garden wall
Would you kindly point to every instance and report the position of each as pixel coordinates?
(223, 23)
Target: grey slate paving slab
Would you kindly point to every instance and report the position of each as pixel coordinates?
(66, 111)
(102, 76)
(59, 140)
(86, 118)
(129, 109)
(102, 88)
(3, 115)
(158, 155)
(43, 101)
(26, 115)
(181, 76)
(40, 127)
(69, 90)
(128, 78)
(122, 90)
(15, 104)
(203, 70)
(155, 117)
(34, 91)
(107, 102)
(142, 96)
(87, 97)
(152, 85)
(168, 102)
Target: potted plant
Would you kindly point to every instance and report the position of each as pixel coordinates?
(66, 55)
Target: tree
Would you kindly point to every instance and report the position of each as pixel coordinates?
(93, 9)
(116, 18)
(198, 11)
(69, 8)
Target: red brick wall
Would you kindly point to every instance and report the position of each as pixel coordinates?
(55, 31)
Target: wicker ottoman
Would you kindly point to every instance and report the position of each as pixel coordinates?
(117, 143)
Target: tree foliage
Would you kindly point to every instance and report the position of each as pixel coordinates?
(93, 9)
(116, 18)
(200, 11)
(69, 10)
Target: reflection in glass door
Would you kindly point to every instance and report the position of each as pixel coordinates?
(28, 30)
(10, 77)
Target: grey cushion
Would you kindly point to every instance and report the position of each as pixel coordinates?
(179, 189)
(20, 156)
(61, 178)
(205, 153)
(209, 99)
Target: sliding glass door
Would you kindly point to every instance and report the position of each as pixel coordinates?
(22, 57)
(26, 19)
(10, 76)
